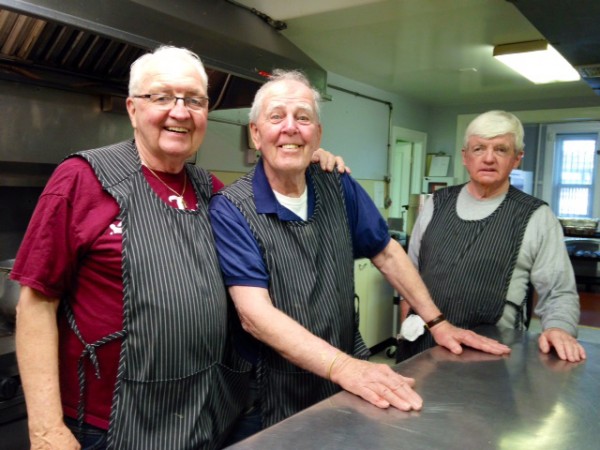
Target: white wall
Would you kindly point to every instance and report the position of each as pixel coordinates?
(526, 117)
(224, 148)
(353, 126)
(358, 129)
(447, 124)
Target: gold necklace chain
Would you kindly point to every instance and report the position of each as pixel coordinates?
(180, 196)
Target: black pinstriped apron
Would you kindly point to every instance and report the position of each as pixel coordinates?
(467, 265)
(311, 280)
(174, 387)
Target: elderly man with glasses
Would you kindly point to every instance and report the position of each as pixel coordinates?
(120, 251)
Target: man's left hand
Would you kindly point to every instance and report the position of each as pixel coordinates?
(566, 346)
(328, 161)
(453, 338)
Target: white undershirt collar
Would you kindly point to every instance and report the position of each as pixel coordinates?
(298, 205)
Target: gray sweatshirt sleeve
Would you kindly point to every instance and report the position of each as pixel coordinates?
(542, 259)
(414, 242)
(544, 251)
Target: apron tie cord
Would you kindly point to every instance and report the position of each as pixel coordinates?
(89, 352)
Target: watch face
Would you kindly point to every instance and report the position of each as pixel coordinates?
(412, 327)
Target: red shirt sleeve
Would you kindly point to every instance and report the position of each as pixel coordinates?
(71, 213)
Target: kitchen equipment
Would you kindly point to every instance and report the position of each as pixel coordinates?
(585, 258)
(12, 400)
(522, 180)
(578, 227)
(9, 292)
(13, 422)
(89, 48)
(473, 400)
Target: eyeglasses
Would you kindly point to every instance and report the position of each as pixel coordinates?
(165, 101)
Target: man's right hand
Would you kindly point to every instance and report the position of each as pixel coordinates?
(376, 383)
(57, 438)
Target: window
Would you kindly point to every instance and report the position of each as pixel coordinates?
(574, 176)
(570, 181)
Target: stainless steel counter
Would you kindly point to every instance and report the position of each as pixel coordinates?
(527, 400)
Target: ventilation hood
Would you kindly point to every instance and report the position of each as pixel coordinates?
(572, 29)
(88, 46)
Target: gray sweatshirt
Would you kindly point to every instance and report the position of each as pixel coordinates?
(543, 259)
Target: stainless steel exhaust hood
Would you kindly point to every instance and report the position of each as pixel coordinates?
(88, 46)
(572, 28)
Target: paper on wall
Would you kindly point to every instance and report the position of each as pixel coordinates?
(439, 166)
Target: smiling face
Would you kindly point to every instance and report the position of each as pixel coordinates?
(166, 138)
(489, 163)
(287, 132)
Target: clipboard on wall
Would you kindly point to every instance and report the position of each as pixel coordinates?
(439, 166)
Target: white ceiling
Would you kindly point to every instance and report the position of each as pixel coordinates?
(436, 51)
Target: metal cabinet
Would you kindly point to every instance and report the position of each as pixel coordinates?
(584, 253)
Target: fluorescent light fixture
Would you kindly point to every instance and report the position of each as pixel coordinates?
(537, 61)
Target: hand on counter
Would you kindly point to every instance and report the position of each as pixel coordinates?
(566, 346)
(453, 338)
(439, 354)
(376, 383)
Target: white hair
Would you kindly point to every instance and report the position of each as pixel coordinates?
(496, 123)
(278, 76)
(163, 54)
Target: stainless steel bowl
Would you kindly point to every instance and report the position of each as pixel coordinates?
(579, 227)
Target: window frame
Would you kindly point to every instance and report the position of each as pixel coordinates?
(558, 185)
(552, 163)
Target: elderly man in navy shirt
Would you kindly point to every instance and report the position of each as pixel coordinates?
(287, 235)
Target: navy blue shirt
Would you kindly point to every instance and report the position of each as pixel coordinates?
(241, 259)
